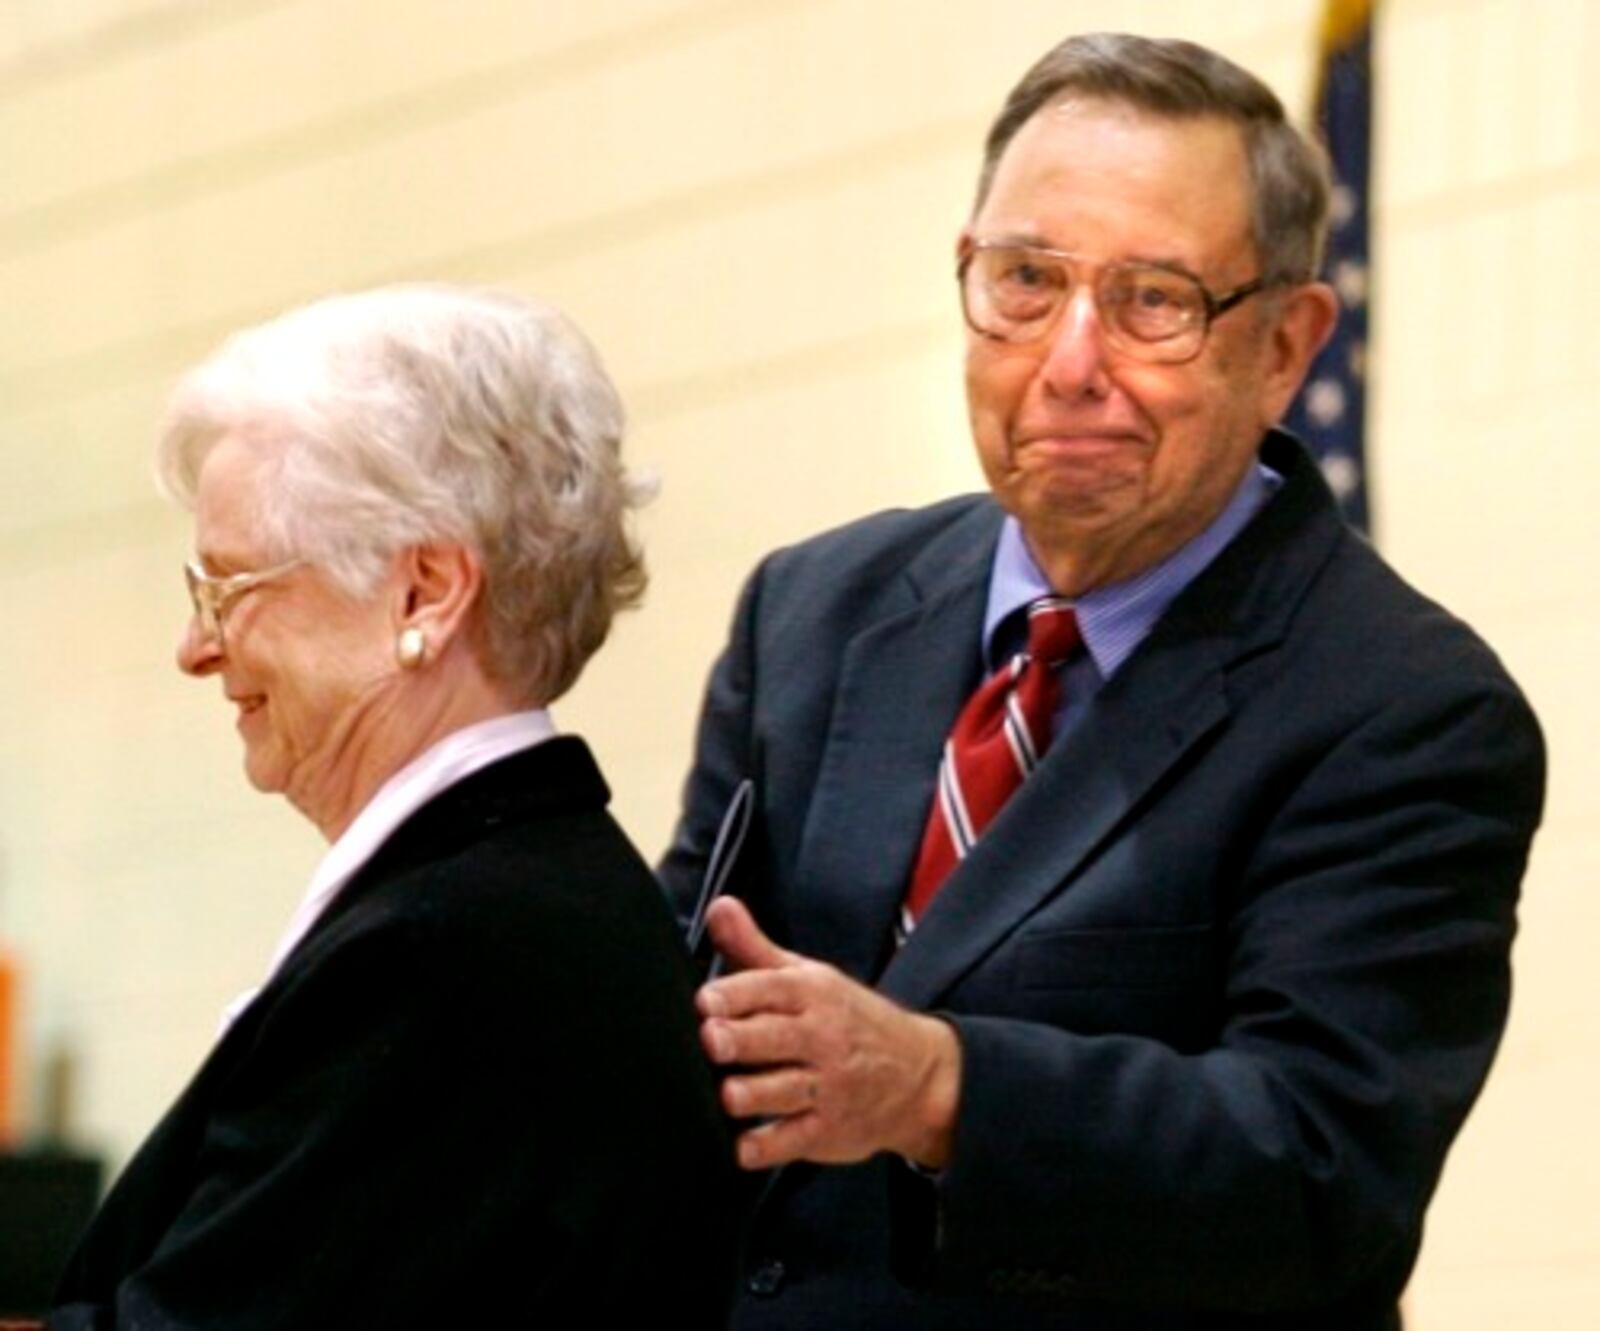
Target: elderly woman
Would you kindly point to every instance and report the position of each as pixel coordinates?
(470, 1092)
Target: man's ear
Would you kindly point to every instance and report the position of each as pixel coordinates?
(1305, 320)
(437, 584)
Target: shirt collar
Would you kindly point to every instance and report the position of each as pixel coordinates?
(1116, 618)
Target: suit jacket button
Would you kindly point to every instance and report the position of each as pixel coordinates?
(766, 1277)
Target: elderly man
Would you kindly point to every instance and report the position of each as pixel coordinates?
(1169, 1024)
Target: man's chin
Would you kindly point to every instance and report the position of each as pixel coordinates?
(1079, 541)
(1059, 505)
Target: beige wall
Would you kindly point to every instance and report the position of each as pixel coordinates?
(750, 204)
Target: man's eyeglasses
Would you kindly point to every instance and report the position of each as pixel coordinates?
(1015, 293)
(212, 596)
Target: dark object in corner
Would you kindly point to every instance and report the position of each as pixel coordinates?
(46, 1199)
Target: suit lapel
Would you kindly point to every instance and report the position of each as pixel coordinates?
(901, 683)
(1082, 793)
(1168, 697)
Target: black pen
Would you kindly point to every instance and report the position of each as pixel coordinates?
(724, 852)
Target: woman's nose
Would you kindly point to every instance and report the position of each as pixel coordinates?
(199, 649)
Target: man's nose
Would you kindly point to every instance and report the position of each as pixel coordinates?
(1075, 358)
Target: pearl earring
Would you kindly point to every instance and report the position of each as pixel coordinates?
(410, 648)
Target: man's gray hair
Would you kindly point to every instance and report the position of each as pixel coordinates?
(1181, 81)
(411, 414)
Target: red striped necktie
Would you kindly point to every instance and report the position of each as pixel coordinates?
(995, 743)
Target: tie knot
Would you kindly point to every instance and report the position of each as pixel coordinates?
(1052, 630)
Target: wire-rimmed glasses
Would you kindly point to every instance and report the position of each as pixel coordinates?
(1015, 293)
(213, 596)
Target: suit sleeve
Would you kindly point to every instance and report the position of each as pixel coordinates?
(1365, 986)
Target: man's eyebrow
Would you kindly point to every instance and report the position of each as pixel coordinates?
(1033, 241)
(1167, 263)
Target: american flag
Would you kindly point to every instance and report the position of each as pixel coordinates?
(1330, 413)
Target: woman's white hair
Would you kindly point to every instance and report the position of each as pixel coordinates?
(410, 414)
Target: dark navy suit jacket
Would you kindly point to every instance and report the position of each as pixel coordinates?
(1228, 971)
(473, 1096)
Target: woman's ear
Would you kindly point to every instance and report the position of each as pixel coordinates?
(437, 584)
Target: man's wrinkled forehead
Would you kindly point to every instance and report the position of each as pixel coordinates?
(1072, 105)
(1157, 189)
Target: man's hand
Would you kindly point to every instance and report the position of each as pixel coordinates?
(836, 1071)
